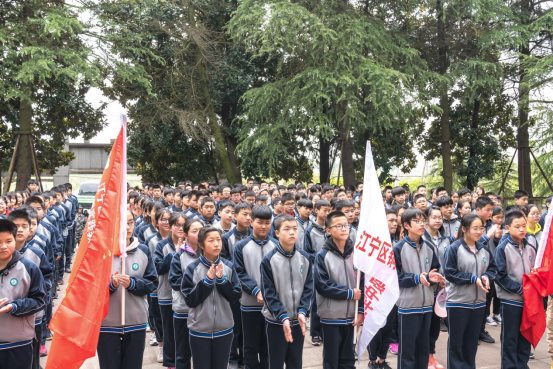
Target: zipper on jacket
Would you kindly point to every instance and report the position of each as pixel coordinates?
(521, 252)
(348, 284)
(292, 283)
(476, 274)
(214, 308)
(421, 270)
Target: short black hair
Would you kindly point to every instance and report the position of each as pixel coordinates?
(306, 203)
(497, 210)
(168, 191)
(319, 204)
(444, 201)
(235, 190)
(262, 197)
(32, 181)
(430, 209)
(410, 214)
(225, 203)
(207, 199)
(390, 211)
(262, 212)
(287, 196)
(482, 201)
(8, 226)
(155, 185)
(463, 191)
(420, 186)
(398, 191)
(204, 232)
(520, 193)
(249, 193)
(512, 215)
(283, 218)
(175, 218)
(35, 200)
(20, 213)
(332, 215)
(241, 206)
(418, 196)
(440, 189)
(193, 193)
(188, 224)
(343, 204)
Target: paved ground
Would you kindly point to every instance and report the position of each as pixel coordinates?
(487, 358)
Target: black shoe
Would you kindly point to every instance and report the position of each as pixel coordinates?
(373, 365)
(485, 337)
(532, 355)
(384, 365)
(67, 270)
(443, 327)
(316, 341)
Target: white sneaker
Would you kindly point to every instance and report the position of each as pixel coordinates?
(491, 322)
(160, 354)
(153, 340)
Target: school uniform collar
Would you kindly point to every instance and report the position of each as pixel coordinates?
(25, 246)
(170, 242)
(206, 221)
(188, 249)
(514, 244)
(260, 242)
(330, 245)
(411, 243)
(242, 235)
(453, 219)
(16, 256)
(285, 253)
(479, 245)
(208, 263)
(301, 221)
(318, 227)
(133, 245)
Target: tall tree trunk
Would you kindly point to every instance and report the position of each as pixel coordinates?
(445, 134)
(347, 159)
(24, 165)
(324, 161)
(472, 178)
(523, 137)
(227, 115)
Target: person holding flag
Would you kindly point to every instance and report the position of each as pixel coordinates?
(334, 277)
(123, 331)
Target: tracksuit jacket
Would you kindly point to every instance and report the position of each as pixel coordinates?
(335, 278)
(21, 282)
(315, 237)
(412, 259)
(451, 227)
(439, 245)
(230, 239)
(462, 268)
(248, 255)
(287, 285)
(162, 260)
(512, 263)
(140, 267)
(209, 300)
(181, 259)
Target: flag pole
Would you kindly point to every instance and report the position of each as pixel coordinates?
(123, 293)
(123, 211)
(358, 280)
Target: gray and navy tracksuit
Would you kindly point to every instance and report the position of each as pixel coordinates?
(248, 255)
(512, 262)
(439, 244)
(415, 303)
(287, 287)
(121, 346)
(451, 227)
(315, 237)
(181, 259)
(21, 282)
(335, 281)
(34, 254)
(230, 239)
(163, 256)
(466, 302)
(150, 237)
(210, 320)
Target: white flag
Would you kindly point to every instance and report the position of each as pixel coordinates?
(374, 256)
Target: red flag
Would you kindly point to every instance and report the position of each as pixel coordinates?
(76, 323)
(537, 285)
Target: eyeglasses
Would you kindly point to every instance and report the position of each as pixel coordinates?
(420, 221)
(341, 226)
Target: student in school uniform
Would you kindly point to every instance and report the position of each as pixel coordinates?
(184, 256)
(451, 222)
(335, 283)
(121, 345)
(417, 267)
(469, 271)
(26, 221)
(248, 255)
(226, 216)
(315, 237)
(287, 288)
(22, 296)
(208, 208)
(513, 258)
(304, 207)
(210, 286)
(162, 260)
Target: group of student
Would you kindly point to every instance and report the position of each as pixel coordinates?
(37, 241)
(233, 274)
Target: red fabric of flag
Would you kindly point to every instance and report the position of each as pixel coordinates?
(76, 323)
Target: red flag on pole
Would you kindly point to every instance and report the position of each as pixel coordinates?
(76, 323)
(537, 285)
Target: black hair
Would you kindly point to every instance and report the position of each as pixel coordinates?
(160, 211)
(207, 199)
(7, 225)
(520, 193)
(188, 224)
(466, 221)
(262, 212)
(306, 203)
(276, 201)
(300, 196)
(326, 189)
(390, 211)
(512, 215)
(418, 196)
(175, 217)
(168, 191)
(343, 204)
(410, 214)
(20, 213)
(32, 181)
(35, 200)
(249, 193)
(497, 210)
(332, 215)
(287, 196)
(440, 189)
(241, 206)
(223, 204)
(281, 219)
(444, 201)
(204, 232)
(155, 185)
(262, 198)
(235, 190)
(319, 204)
(463, 191)
(420, 186)
(398, 190)
(482, 201)
(432, 208)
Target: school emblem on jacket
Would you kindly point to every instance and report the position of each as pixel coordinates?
(426, 261)
(485, 260)
(301, 269)
(135, 266)
(14, 282)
